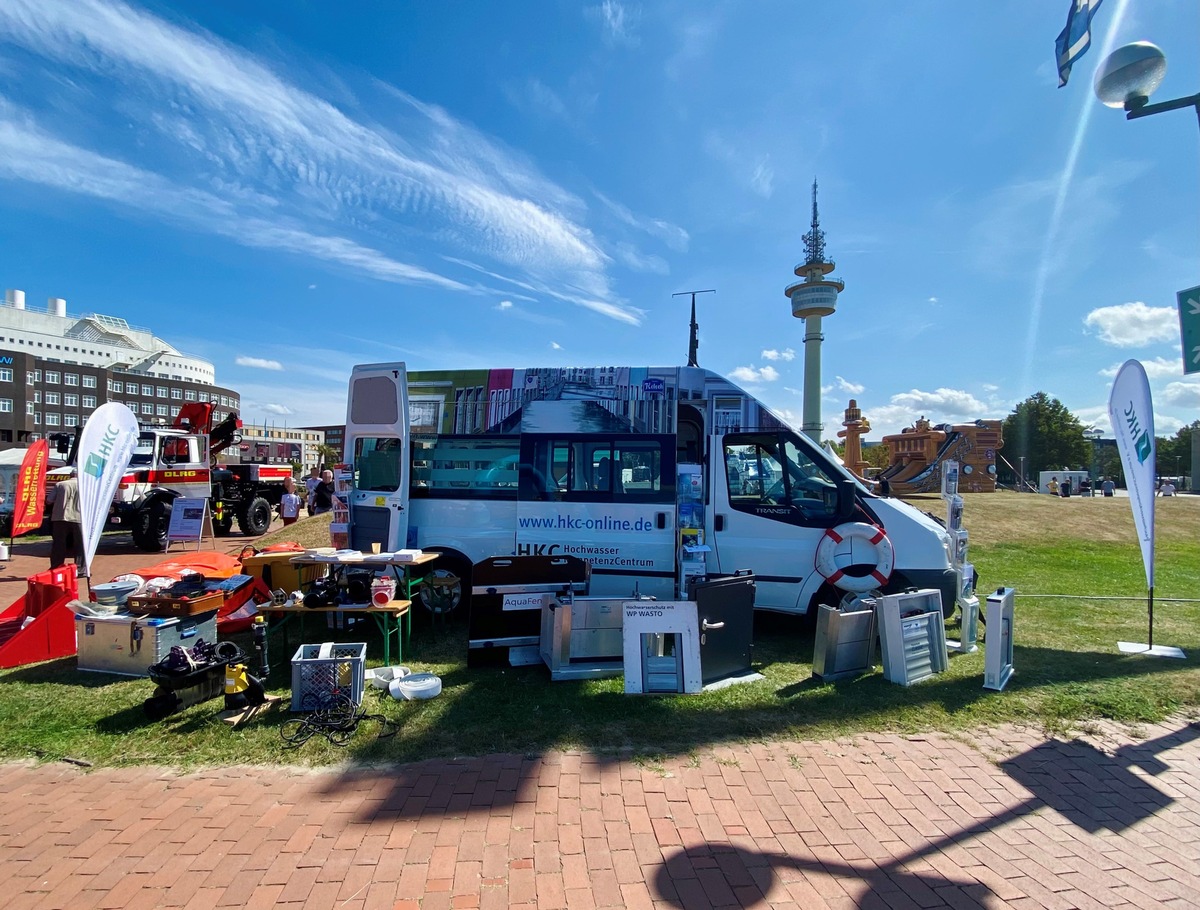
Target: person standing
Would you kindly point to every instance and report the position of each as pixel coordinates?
(1052, 486)
(1107, 487)
(66, 525)
(289, 503)
(322, 498)
(1167, 488)
(310, 484)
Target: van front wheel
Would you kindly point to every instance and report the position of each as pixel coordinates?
(446, 587)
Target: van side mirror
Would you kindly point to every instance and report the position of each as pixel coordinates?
(847, 499)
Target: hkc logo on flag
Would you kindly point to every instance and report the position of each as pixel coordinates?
(1076, 37)
(106, 445)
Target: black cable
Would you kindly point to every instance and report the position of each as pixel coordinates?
(337, 720)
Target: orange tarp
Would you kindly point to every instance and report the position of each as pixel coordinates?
(208, 563)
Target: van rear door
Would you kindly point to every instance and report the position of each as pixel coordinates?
(377, 446)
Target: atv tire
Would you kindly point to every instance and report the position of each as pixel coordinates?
(256, 518)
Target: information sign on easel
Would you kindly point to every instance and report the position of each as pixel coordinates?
(190, 521)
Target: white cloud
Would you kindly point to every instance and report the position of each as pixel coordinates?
(1130, 325)
(933, 300)
(312, 287)
(273, 408)
(672, 235)
(1185, 394)
(554, 345)
(944, 402)
(264, 154)
(617, 22)
(772, 354)
(258, 363)
(640, 262)
(989, 388)
(1158, 368)
(750, 374)
(504, 305)
(748, 167)
(853, 388)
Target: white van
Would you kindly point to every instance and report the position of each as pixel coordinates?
(602, 463)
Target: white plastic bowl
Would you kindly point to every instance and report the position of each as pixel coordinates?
(415, 686)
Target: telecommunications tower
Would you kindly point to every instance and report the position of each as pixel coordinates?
(812, 298)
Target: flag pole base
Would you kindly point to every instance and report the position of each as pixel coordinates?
(1129, 647)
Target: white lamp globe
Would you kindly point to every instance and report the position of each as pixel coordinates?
(1130, 74)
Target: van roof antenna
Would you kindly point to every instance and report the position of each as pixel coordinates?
(694, 339)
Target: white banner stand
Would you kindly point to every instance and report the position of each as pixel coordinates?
(190, 521)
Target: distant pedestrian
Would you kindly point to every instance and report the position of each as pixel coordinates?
(1167, 488)
(66, 525)
(1052, 486)
(310, 484)
(1107, 487)
(1066, 488)
(289, 503)
(322, 498)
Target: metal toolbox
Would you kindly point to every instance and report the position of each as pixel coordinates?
(581, 637)
(129, 645)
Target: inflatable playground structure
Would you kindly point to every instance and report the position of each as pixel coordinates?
(918, 453)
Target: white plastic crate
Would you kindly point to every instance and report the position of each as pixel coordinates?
(319, 672)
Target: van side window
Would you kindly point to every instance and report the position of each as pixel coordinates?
(471, 467)
(604, 469)
(774, 476)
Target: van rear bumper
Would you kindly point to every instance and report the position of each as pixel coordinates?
(944, 580)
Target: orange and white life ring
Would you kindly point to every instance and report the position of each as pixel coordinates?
(854, 544)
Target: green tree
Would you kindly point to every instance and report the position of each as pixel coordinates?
(877, 456)
(1175, 452)
(328, 455)
(1047, 435)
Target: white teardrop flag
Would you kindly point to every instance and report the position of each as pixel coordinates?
(1132, 416)
(105, 448)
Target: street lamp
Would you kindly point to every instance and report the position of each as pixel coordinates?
(1130, 74)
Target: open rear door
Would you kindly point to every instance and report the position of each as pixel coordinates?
(377, 448)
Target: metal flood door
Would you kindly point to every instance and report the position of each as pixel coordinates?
(726, 610)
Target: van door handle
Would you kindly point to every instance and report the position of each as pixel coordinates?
(718, 522)
(660, 520)
(706, 625)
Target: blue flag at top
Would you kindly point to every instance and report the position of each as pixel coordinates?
(1076, 37)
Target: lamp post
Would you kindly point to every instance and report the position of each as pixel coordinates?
(1093, 434)
(1130, 74)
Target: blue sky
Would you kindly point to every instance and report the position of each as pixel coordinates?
(288, 189)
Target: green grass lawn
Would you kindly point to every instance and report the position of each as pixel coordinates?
(1068, 671)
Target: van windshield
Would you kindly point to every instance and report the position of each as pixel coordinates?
(767, 472)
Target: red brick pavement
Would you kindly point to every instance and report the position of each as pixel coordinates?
(1004, 819)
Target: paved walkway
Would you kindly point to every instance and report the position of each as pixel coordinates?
(890, 822)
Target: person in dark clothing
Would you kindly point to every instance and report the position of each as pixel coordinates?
(322, 498)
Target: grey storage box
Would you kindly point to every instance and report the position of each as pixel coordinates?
(845, 639)
(912, 636)
(581, 637)
(129, 645)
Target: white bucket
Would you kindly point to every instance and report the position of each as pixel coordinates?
(3, 551)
